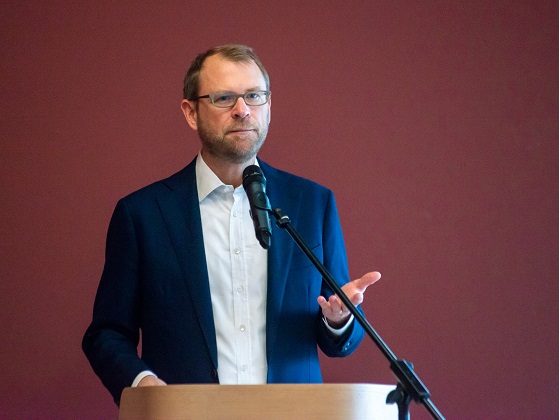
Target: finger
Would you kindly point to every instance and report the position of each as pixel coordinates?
(367, 280)
(337, 307)
(324, 304)
(357, 298)
(331, 308)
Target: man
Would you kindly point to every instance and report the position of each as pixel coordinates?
(184, 267)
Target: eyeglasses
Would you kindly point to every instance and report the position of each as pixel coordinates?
(229, 99)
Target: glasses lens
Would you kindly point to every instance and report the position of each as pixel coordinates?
(224, 100)
(256, 98)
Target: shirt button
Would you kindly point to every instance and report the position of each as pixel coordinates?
(242, 328)
(235, 214)
(237, 251)
(240, 289)
(244, 368)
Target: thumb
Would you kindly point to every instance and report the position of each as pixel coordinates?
(367, 280)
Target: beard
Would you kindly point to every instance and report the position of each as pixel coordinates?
(228, 146)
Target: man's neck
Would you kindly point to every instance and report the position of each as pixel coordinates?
(229, 173)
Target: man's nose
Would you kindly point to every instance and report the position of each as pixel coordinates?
(241, 109)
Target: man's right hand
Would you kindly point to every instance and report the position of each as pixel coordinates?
(151, 380)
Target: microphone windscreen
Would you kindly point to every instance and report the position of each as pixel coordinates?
(251, 174)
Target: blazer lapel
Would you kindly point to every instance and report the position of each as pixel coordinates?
(181, 212)
(280, 252)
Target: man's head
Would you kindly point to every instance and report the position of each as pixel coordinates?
(227, 101)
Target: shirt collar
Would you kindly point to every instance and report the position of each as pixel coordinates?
(206, 180)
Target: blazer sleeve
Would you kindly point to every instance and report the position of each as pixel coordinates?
(335, 261)
(110, 343)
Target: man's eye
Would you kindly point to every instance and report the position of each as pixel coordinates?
(253, 95)
(223, 98)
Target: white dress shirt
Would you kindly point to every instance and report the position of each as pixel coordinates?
(237, 272)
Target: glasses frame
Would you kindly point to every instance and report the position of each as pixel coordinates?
(212, 96)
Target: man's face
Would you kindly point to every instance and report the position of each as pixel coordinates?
(232, 135)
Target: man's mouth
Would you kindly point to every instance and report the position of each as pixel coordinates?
(241, 130)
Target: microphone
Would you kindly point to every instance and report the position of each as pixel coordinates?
(254, 184)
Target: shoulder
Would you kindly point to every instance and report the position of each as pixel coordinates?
(183, 180)
(276, 177)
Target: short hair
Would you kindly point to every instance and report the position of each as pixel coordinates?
(231, 52)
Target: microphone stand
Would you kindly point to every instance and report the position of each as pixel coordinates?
(409, 385)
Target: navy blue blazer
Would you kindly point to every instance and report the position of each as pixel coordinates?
(155, 280)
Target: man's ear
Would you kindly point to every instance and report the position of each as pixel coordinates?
(190, 113)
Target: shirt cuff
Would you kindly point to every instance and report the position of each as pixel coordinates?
(339, 331)
(141, 376)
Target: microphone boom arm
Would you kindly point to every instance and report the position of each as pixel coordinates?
(409, 385)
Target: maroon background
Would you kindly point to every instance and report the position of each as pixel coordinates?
(435, 124)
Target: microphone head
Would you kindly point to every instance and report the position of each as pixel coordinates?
(253, 173)
(254, 184)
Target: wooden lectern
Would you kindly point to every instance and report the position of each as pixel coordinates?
(274, 401)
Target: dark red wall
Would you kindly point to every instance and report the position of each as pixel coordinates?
(435, 123)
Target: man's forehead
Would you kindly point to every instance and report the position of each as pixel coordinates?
(218, 70)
